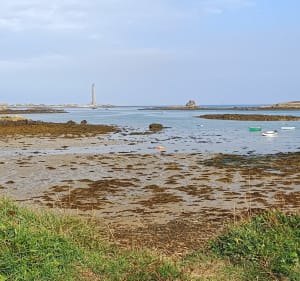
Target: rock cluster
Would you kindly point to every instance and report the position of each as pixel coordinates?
(250, 117)
(191, 103)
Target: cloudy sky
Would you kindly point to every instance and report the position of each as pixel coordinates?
(150, 52)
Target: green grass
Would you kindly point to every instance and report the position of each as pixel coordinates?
(40, 245)
(43, 246)
(267, 246)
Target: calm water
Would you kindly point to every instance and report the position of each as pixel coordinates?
(185, 133)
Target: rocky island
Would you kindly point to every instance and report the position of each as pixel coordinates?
(21, 126)
(250, 117)
(293, 105)
(190, 105)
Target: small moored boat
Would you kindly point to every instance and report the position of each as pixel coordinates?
(288, 128)
(255, 129)
(271, 133)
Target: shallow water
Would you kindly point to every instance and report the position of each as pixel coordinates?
(167, 201)
(185, 133)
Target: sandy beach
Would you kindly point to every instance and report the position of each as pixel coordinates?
(170, 202)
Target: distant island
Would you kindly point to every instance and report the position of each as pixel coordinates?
(293, 105)
(191, 105)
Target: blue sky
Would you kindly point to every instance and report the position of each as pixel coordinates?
(150, 52)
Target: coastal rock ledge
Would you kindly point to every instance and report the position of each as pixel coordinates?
(191, 104)
(284, 105)
(250, 117)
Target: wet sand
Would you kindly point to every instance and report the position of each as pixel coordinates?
(168, 202)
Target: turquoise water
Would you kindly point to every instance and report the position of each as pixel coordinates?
(185, 133)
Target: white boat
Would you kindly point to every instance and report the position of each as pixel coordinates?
(272, 133)
(288, 128)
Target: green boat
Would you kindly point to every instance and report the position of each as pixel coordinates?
(254, 129)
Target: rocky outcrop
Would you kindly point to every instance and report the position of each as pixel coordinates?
(191, 103)
(250, 117)
(155, 127)
(12, 118)
(70, 129)
(3, 106)
(284, 105)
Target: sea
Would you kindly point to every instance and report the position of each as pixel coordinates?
(183, 132)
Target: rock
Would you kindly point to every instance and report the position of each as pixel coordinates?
(13, 118)
(191, 103)
(250, 117)
(83, 122)
(155, 127)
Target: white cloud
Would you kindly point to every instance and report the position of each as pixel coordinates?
(218, 7)
(19, 15)
(22, 15)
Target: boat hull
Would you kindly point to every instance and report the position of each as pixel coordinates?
(254, 129)
(288, 128)
(269, 133)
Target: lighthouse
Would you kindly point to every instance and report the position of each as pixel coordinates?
(94, 103)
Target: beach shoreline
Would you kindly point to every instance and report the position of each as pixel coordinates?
(181, 199)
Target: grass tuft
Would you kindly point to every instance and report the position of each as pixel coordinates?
(40, 245)
(43, 246)
(267, 245)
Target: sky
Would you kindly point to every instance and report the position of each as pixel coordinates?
(150, 52)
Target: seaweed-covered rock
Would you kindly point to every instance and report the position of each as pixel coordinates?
(155, 127)
(39, 128)
(71, 123)
(250, 117)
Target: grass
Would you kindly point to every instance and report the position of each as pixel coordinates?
(39, 245)
(267, 246)
(43, 246)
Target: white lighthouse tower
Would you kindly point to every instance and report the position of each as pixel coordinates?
(94, 103)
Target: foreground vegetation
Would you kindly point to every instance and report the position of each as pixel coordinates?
(267, 246)
(43, 246)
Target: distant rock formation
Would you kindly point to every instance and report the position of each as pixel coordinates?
(3, 106)
(250, 117)
(155, 127)
(191, 103)
(289, 104)
(13, 118)
(283, 105)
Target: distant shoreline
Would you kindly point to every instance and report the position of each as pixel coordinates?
(274, 107)
(59, 108)
(246, 108)
(32, 111)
